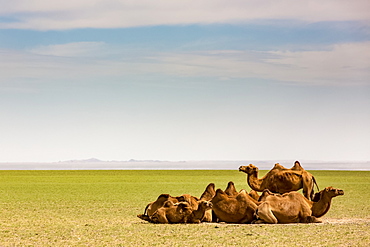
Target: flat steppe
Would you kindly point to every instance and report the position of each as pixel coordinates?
(99, 208)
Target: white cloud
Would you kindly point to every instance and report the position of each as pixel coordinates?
(344, 64)
(76, 49)
(50, 15)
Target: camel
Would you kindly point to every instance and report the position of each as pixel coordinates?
(281, 180)
(207, 195)
(234, 209)
(201, 214)
(293, 207)
(152, 207)
(194, 202)
(172, 213)
(322, 201)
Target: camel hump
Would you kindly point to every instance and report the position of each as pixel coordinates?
(219, 191)
(208, 193)
(230, 189)
(297, 166)
(278, 166)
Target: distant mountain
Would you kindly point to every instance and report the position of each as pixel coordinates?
(91, 160)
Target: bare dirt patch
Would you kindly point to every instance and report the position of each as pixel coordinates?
(346, 221)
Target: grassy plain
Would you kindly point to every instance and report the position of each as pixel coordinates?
(99, 208)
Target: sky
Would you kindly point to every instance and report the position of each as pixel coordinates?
(184, 80)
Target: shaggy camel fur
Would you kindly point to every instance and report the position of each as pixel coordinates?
(231, 191)
(152, 207)
(172, 213)
(254, 195)
(201, 214)
(234, 209)
(323, 201)
(293, 207)
(208, 193)
(192, 201)
(281, 180)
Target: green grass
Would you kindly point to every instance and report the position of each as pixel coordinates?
(99, 208)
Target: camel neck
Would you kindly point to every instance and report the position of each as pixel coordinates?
(199, 213)
(254, 182)
(321, 207)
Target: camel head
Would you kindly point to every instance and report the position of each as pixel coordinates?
(250, 169)
(205, 204)
(328, 192)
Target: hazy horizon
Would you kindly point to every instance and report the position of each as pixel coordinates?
(181, 165)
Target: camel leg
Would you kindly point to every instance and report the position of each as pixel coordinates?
(143, 217)
(308, 188)
(311, 219)
(265, 214)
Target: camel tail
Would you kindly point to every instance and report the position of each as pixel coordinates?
(314, 181)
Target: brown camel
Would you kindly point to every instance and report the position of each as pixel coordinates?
(234, 209)
(281, 180)
(201, 214)
(152, 207)
(323, 201)
(207, 195)
(194, 202)
(172, 213)
(293, 207)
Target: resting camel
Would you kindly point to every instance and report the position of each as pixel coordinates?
(153, 206)
(207, 195)
(234, 209)
(201, 214)
(281, 180)
(293, 207)
(172, 213)
(194, 202)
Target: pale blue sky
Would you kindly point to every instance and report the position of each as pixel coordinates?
(184, 80)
